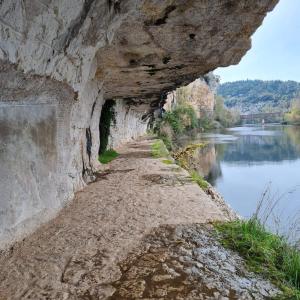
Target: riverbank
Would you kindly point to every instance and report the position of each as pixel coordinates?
(274, 256)
(82, 253)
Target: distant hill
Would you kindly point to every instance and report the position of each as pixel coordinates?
(258, 95)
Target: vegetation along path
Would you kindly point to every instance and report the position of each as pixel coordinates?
(132, 234)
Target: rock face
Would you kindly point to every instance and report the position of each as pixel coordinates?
(61, 60)
(127, 123)
(200, 94)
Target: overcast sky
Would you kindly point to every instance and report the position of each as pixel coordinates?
(275, 52)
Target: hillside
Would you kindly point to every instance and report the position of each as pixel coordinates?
(258, 95)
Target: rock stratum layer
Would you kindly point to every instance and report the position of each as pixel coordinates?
(61, 60)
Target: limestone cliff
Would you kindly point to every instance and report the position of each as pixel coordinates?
(200, 94)
(62, 59)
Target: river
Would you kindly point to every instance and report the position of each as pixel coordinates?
(245, 163)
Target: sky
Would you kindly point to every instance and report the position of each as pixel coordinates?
(275, 52)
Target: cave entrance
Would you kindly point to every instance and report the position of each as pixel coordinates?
(107, 116)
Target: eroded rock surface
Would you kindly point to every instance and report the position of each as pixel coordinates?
(187, 262)
(61, 59)
(137, 48)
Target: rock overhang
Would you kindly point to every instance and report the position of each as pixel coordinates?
(137, 49)
(166, 44)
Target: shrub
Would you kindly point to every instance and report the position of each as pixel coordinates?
(293, 117)
(227, 117)
(182, 118)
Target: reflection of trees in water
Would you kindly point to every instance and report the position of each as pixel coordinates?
(206, 161)
(284, 145)
(215, 171)
(293, 132)
(272, 148)
(203, 159)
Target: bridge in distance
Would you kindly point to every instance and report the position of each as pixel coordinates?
(260, 117)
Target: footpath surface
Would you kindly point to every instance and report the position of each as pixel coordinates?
(81, 253)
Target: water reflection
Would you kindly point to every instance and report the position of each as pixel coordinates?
(241, 162)
(251, 145)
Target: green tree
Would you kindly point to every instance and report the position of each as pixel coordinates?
(227, 117)
(293, 116)
(259, 95)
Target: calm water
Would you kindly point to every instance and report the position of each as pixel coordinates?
(243, 162)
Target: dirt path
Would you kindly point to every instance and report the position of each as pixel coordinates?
(76, 255)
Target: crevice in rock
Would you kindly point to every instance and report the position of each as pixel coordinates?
(166, 59)
(83, 165)
(74, 30)
(162, 20)
(88, 142)
(93, 108)
(192, 36)
(106, 119)
(115, 5)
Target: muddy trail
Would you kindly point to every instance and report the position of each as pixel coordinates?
(134, 233)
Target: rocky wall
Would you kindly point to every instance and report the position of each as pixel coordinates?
(44, 153)
(199, 94)
(35, 121)
(129, 123)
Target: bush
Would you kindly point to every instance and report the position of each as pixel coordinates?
(293, 117)
(206, 122)
(227, 117)
(173, 123)
(182, 118)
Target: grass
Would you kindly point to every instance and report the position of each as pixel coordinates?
(167, 141)
(168, 161)
(107, 156)
(265, 253)
(158, 149)
(199, 180)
